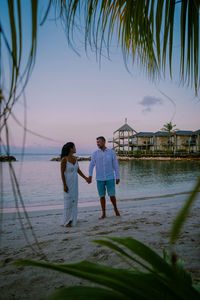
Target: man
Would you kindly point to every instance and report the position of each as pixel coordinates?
(105, 161)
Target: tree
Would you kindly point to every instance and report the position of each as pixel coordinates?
(168, 127)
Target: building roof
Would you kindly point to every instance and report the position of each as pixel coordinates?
(144, 134)
(125, 127)
(197, 131)
(184, 132)
(161, 133)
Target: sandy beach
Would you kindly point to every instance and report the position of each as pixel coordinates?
(146, 220)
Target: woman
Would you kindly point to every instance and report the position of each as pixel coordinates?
(69, 174)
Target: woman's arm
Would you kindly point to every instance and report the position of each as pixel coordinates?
(63, 167)
(82, 175)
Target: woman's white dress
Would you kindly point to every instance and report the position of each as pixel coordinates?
(71, 198)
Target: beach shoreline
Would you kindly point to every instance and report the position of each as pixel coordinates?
(148, 221)
(160, 158)
(88, 204)
(133, 158)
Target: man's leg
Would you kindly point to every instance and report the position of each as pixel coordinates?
(103, 207)
(110, 184)
(102, 192)
(114, 202)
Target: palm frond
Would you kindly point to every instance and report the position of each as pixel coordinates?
(160, 281)
(20, 70)
(181, 217)
(85, 293)
(18, 63)
(144, 30)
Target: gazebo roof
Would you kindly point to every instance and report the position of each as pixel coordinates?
(125, 127)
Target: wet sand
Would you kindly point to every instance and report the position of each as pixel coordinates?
(146, 220)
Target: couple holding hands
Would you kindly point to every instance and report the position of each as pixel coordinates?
(107, 174)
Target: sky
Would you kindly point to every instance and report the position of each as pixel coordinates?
(72, 97)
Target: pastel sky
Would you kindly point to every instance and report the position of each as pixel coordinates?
(71, 98)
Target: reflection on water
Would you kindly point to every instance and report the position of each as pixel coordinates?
(152, 178)
(41, 184)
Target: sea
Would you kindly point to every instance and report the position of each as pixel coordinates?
(40, 181)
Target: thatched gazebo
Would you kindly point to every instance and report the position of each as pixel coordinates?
(122, 138)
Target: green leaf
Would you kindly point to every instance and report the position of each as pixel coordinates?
(182, 215)
(197, 287)
(176, 278)
(166, 256)
(144, 30)
(118, 279)
(85, 293)
(179, 266)
(129, 283)
(144, 252)
(120, 251)
(14, 45)
(182, 273)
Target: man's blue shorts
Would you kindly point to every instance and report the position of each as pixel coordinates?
(107, 184)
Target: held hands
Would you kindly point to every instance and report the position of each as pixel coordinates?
(89, 179)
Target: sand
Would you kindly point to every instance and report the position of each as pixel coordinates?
(146, 220)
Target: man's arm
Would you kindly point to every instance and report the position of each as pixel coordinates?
(116, 168)
(91, 167)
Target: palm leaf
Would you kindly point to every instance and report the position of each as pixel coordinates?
(121, 252)
(142, 28)
(128, 283)
(18, 65)
(174, 275)
(181, 217)
(118, 279)
(144, 252)
(85, 293)
(164, 281)
(197, 286)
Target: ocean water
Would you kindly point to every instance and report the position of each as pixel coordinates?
(40, 181)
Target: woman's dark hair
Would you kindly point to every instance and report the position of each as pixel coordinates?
(66, 149)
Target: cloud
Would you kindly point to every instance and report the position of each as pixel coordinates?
(148, 102)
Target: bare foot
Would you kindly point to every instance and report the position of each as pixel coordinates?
(117, 213)
(69, 224)
(102, 217)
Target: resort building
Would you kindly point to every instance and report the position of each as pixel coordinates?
(184, 140)
(197, 134)
(126, 140)
(143, 141)
(161, 141)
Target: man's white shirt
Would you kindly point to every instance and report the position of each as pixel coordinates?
(106, 165)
